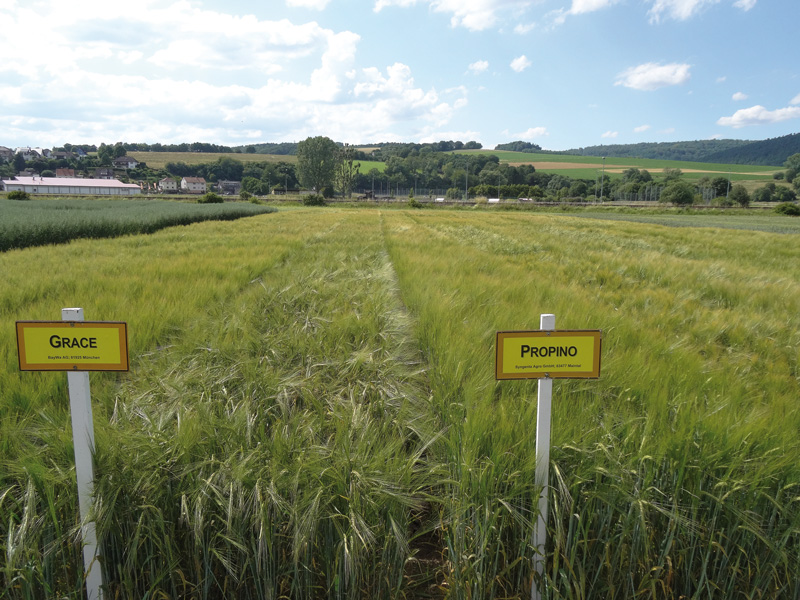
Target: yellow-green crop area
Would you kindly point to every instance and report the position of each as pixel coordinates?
(311, 411)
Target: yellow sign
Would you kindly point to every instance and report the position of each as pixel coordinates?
(564, 354)
(72, 346)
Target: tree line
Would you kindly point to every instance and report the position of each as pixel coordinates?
(328, 168)
(773, 151)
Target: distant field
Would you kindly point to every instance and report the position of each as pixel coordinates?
(46, 222)
(368, 165)
(579, 167)
(586, 167)
(158, 160)
(768, 223)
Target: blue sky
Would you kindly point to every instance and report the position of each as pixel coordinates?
(559, 73)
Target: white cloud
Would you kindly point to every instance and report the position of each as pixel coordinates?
(745, 5)
(795, 100)
(682, 10)
(381, 4)
(721, 79)
(610, 134)
(520, 63)
(115, 74)
(679, 10)
(652, 76)
(758, 115)
(479, 66)
(586, 6)
(641, 128)
(738, 96)
(475, 15)
(579, 7)
(532, 133)
(129, 58)
(315, 4)
(523, 28)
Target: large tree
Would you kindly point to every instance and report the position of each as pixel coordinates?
(346, 170)
(678, 193)
(740, 196)
(792, 165)
(316, 162)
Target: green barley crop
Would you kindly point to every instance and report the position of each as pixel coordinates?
(273, 441)
(311, 411)
(672, 476)
(42, 222)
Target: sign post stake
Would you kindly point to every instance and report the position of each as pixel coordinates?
(83, 440)
(547, 322)
(545, 355)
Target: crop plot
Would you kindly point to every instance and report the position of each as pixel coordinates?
(311, 410)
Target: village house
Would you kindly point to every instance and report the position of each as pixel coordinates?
(104, 173)
(65, 173)
(229, 188)
(30, 153)
(125, 162)
(193, 185)
(168, 185)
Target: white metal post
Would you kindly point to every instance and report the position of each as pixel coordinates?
(547, 322)
(80, 403)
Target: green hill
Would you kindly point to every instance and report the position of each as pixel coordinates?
(696, 151)
(772, 151)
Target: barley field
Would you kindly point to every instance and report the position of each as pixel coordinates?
(311, 411)
(58, 220)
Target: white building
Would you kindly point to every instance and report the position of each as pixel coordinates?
(61, 186)
(168, 184)
(125, 162)
(193, 185)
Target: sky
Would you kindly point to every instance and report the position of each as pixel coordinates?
(558, 73)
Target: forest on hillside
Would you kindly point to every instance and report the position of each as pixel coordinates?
(773, 151)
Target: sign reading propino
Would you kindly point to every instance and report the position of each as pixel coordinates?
(72, 345)
(565, 354)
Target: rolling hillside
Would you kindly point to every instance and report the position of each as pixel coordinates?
(773, 151)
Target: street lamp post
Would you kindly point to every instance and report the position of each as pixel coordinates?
(596, 177)
(498, 185)
(602, 179)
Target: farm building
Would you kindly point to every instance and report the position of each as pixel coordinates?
(125, 162)
(55, 185)
(168, 185)
(193, 185)
(229, 187)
